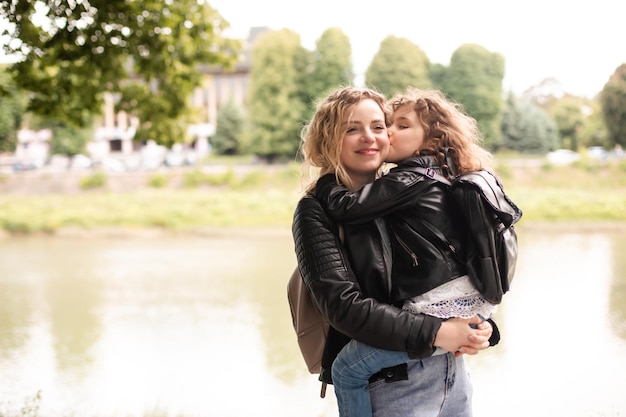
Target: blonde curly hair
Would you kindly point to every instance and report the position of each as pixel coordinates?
(322, 137)
(445, 124)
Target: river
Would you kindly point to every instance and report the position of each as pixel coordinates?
(199, 326)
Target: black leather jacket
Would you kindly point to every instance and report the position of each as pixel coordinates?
(425, 231)
(355, 309)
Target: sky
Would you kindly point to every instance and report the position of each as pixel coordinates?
(580, 44)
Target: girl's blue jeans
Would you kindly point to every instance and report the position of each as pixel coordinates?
(437, 386)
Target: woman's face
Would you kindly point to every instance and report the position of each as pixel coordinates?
(365, 141)
(406, 134)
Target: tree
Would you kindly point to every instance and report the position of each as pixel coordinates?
(438, 74)
(276, 110)
(11, 111)
(230, 126)
(613, 100)
(331, 64)
(527, 128)
(474, 79)
(568, 115)
(579, 119)
(397, 64)
(68, 139)
(594, 131)
(71, 52)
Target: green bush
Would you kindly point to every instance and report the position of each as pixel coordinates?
(157, 181)
(254, 179)
(504, 170)
(197, 178)
(226, 178)
(193, 179)
(96, 180)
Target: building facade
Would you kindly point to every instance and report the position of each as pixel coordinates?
(116, 132)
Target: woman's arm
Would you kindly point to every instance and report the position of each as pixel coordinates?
(326, 271)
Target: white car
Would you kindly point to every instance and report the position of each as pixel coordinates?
(80, 162)
(597, 152)
(562, 157)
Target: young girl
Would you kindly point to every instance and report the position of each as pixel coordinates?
(428, 276)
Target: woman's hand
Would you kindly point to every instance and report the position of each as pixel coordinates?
(456, 335)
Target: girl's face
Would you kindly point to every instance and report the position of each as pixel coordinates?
(365, 141)
(406, 134)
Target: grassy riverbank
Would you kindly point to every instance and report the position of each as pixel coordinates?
(258, 196)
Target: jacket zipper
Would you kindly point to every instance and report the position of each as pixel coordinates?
(408, 250)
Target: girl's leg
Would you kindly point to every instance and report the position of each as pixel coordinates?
(351, 371)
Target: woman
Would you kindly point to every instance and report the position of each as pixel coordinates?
(427, 232)
(351, 283)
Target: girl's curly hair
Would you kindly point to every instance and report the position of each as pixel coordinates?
(446, 125)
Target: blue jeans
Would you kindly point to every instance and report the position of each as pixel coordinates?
(438, 386)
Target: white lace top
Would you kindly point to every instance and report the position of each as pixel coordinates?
(456, 298)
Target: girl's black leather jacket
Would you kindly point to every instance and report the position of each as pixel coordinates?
(426, 232)
(357, 309)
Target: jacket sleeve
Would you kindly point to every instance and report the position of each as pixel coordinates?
(326, 272)
(395, 191)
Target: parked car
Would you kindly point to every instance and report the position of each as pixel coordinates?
(80, 162)
(24, 166)
(597, 152)
(112, 165)
(562, 157)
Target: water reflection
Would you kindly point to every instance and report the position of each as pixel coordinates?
(199, 326)
(617, 291)
(73, 303)
(560, 345)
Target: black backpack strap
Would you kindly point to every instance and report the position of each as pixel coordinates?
(489, 187)
(449, 161)
(430, 173)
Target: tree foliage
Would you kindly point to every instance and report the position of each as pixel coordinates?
(527, 128)
(579, 119)
(68, 139)
(276, 107)
(568, 115)
(397, 64)
(613, 100)
(331, 64)
(438, 74)
(474, 79)
(11, 110)
(229, 129)
(594, 131)
(71, 52)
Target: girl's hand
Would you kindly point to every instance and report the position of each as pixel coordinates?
(456, 335)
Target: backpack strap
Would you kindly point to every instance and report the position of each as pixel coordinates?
(430, 173)
(449, 161)
(489, 187)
